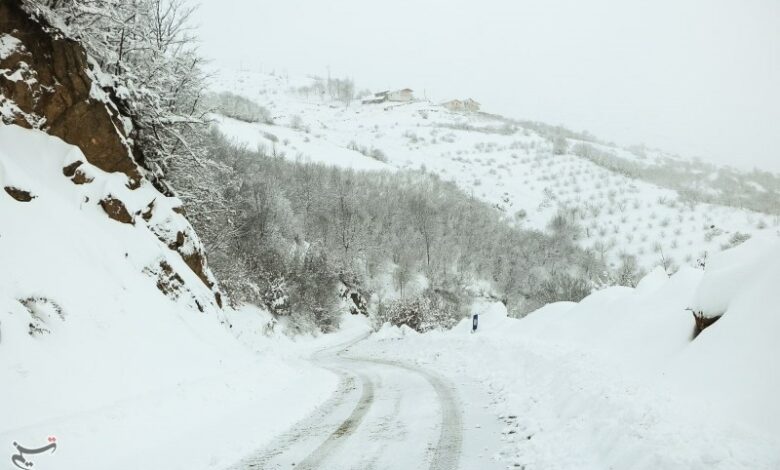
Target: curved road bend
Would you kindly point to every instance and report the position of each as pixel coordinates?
(383, 415)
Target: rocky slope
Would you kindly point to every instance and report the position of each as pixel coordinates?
(48, 83)
(112, 339)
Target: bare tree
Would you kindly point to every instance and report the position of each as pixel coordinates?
(425, 220)
(347, 215)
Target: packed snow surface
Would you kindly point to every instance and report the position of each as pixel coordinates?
(616, 381)
(94, 354)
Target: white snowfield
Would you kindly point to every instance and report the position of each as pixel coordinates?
(92, 353)
(616, 382)
(510, 167)
(125, 377)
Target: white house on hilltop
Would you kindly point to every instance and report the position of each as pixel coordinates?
(402, 96)
(455, 106)
(468, 105)
(472, 106)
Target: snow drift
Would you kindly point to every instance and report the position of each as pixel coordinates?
(616, 381)
(108, 340)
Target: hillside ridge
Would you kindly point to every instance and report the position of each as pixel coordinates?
(614, 201)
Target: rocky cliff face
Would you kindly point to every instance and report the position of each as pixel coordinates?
(48, 82)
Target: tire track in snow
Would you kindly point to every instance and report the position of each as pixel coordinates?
(345, 429)
(444, 454)
(314, 424)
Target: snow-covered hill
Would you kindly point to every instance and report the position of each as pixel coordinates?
(109, 341)
(527, 175)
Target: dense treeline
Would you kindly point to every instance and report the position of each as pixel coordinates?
(293, 235)
(289, 234)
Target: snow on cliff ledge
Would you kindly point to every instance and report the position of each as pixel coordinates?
(78, 289)
(94, 352)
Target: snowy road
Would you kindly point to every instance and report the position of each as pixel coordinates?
(384, 415)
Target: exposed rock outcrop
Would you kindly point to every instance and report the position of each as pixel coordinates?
(73, 172)
(353, 299)
(46, 79)
(48, 82)
(116, 209)
(19, 194)
(702, 322)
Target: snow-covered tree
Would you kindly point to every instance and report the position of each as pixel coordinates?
(144, 53)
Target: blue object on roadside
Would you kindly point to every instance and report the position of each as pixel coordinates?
(474, 322)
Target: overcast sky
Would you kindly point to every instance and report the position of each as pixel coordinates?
(700, 78)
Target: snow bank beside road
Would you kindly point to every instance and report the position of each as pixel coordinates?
(616, 382)
(94, 353)
(735, 361)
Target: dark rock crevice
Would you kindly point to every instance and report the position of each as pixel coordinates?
(702, 322)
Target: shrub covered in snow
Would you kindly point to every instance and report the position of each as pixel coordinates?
(561, 287)
(372, 152)
(237, 107)
(428, 311)
(262, 217)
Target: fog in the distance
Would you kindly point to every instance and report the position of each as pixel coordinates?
(694, 77)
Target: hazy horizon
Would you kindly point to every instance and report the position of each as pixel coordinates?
(694, 78)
